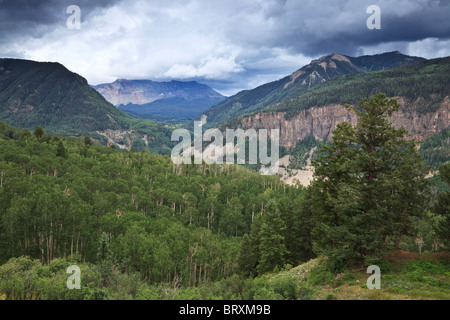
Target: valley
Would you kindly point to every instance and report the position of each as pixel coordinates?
(82, 182)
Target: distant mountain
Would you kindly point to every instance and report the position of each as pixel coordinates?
(170, 109)
(151, 99)
(318, 71)
(47, 94)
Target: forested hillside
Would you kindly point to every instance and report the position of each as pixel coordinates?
(57, 197)
(422, 89)
(47, 94)
(140, 227)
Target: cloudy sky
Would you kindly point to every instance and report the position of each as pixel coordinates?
(229, 44)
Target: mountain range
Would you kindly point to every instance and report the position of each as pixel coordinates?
(307, 77)
(305, 120)
(160, 100)
(305, 106)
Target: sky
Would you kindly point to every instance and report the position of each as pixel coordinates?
(231, 45)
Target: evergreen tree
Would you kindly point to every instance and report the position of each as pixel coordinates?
(38, 132)
(272, 247)
(104, 259)
(305, 251)
(291, 216)
(61, 150)
(370, 182)
(442, 206)
(87, 141)
(250, 249)
(25, 133)
(246, 259)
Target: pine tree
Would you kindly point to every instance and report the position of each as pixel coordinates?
(87, 141)
(249, 254)
(442, 206)
(25, 133)
(61, 150)
(370, 182)
(38, 132)
(246, 258)
(272, 247)
(104, 259)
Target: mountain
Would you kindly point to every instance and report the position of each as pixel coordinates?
(160, 100)
(171, 109)
(422, 90)
(48, 94)
(317, 72)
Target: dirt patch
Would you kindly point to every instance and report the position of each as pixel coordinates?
(304, 177)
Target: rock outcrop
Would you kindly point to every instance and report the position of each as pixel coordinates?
(321, 121)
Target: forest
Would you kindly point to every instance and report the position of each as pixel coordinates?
(140, 227)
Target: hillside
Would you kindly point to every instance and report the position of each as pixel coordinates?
(160, 100)
(170, 109)
(49, 95)
(404, 276)
(317, 72)
(422, 90)
(142, 228)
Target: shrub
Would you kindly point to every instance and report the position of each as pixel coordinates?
(320, 274)
(305, 293)
(330, 296)
(286, 287)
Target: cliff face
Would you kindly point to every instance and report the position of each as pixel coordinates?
(321, 121)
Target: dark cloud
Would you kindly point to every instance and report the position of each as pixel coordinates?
(231, 45)
(35, 18)
(320, 27)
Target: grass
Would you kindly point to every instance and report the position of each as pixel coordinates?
(404, 276)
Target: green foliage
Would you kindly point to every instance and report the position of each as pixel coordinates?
(38, 132)
(259, 289)
(320, 274)
(435, 150)
(131, 213)
(442, 206)
(27, 279)
(272, 244)
(286, 287)
(330, 296)
(300, 154)
(370, 182)
(47, 95)
(61, 150)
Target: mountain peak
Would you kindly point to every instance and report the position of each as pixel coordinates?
(48, 94)
(316, 72)
(123, 92)
(339, 57)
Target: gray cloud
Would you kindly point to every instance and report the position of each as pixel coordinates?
(231, 45)
(35, 18)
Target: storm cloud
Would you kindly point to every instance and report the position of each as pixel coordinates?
(230, 45)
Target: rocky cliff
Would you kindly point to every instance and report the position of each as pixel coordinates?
(321, 121)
